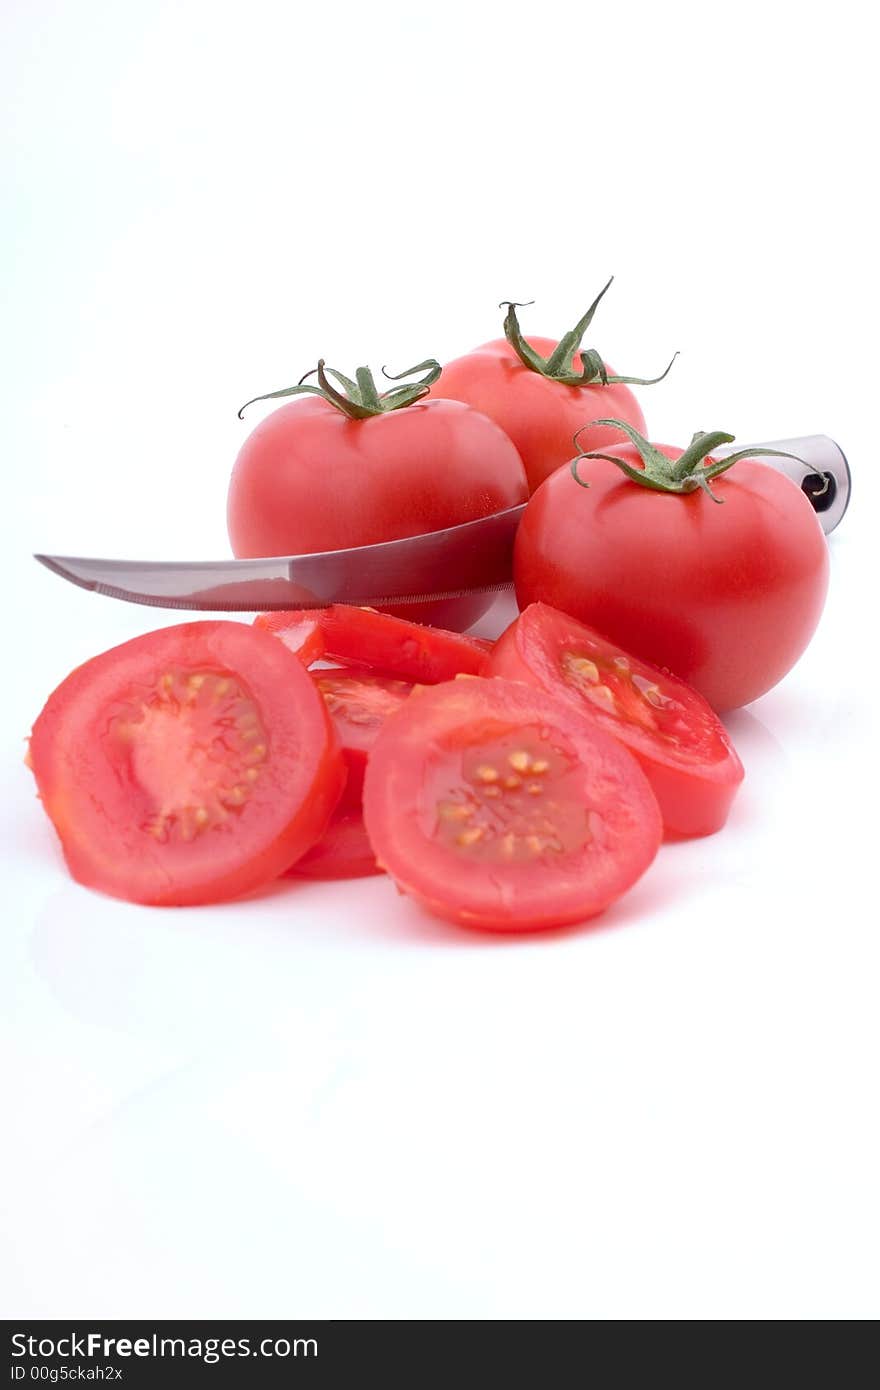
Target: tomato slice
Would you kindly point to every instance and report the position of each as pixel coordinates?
(301, 631)
(680, 742)
(496, 805)
(359, 702)
(344, 851)
(382, 642)
(187, 766)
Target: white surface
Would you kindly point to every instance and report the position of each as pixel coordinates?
(320, 1101)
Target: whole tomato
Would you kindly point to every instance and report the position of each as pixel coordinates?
(541, 392)
(720, 577)
(350, 466)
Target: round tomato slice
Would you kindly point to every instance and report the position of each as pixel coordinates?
(382, 642)
(344, 851)
(496, 805)
(187, 766)
(359, 702)
(680, 742)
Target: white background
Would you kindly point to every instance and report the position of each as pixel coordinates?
(320, 1102)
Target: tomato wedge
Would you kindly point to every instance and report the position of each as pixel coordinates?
(300, 631)
(382, 642)
(359, 702)
(344, 851)
(496, 805)
(187, 766)
(680, 742)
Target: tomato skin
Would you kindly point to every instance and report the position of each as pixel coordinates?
(545, 860)
(310, 479)
(102, 768)
(344, 851)
(724, 596)
(540, 416)
(694, 784)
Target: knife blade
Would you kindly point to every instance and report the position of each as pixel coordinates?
(474, 557)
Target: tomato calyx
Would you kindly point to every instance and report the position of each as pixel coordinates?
(561, 364)
(359, 399)
(682, 475)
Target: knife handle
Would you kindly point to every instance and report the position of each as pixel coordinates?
(826, 481)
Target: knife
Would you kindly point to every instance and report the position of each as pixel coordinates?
(474, 557)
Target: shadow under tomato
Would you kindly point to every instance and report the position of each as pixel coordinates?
(406, 923)
(391, 916)
(751, 737)
(197, 974)
(765, 761)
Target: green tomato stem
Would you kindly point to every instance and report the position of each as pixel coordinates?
(682, 475)
(562, 363)
(359, 399)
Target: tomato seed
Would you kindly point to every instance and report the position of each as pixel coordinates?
(470, 836)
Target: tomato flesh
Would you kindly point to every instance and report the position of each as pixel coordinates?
(344, 851)
(358, 702)
(383, 642)
(496, 806)
(679, 741)
(187, 766)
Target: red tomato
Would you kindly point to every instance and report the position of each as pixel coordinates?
(187, 766)
(726, 596)
(382, 642)
(310, 478)
(540, 415)
(344, 851)
(496, 805)
(681, 745)
(359, 702)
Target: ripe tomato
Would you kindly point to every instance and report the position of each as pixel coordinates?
(311, 478)
(540, 415)
(358, 702)
(681, 745)
(725, 596)
(496, 805)
(344, 851)
(542, 393)
(382, 642)
(187, 766)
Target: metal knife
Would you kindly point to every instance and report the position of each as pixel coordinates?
(474, 557)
